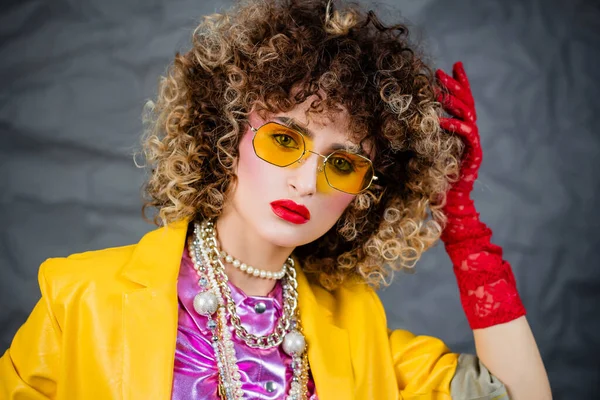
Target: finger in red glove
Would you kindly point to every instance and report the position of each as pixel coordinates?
(456, 107)
(459, 85)
(464, 129)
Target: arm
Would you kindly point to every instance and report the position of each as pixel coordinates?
(511, 354)
(487, 287)
(28, 367)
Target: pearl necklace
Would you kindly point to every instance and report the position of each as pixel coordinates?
(215, 298)
(250, 270)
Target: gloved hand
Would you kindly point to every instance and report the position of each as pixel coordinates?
(487, 286)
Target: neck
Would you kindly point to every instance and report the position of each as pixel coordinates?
(252, 250)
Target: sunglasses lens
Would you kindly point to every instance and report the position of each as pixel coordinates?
(278, 144)
(348, 172)
(282, 146)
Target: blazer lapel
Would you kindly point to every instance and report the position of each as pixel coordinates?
(328, 347)
(150, 313)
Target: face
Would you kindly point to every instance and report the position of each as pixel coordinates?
(264, 192)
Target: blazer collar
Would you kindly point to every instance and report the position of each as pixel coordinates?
(150, 315)
(150, 312)
(156, 258)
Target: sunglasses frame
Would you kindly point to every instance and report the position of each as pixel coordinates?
(299, 160)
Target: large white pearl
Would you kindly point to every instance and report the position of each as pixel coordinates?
(294, 343)
(206, 303)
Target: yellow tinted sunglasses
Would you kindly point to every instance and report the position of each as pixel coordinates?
(283, 146)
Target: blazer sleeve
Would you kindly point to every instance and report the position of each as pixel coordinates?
(426, 369)
(28, 368)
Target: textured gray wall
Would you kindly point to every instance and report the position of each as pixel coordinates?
(75, 74)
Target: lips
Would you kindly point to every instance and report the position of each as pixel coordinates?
(291, 211)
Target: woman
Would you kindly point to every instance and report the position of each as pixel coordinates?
(298, 159)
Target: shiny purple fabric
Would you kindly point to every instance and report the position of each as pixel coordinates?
(195, 372)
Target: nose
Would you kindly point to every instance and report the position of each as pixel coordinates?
(303, 180)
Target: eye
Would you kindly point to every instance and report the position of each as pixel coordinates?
(285, 140)
(341, 165)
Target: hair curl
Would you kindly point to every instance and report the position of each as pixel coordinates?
(273, 55)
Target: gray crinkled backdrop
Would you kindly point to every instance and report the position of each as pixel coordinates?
(75, 74)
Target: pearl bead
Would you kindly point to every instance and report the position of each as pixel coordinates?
(256, 272)
(206, 303)
(294, 343)
(269, 275)
(263, 274)
(250, 269)
(229, 259)
(243, 266)
(236, 263)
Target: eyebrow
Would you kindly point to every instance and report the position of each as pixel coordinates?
(294, 124)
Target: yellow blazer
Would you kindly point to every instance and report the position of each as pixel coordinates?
(106, 325)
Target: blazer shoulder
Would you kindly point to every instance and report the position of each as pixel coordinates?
(98, 268)
(89, 263)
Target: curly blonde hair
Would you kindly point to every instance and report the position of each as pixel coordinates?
(273, 55)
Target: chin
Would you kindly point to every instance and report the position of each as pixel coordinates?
(285, 234)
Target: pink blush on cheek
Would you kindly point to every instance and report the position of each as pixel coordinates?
(338, 202)
(252, 171)
(249, 161)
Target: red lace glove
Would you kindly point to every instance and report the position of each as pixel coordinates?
(487, 287)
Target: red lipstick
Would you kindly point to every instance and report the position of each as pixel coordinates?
(290, 211)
